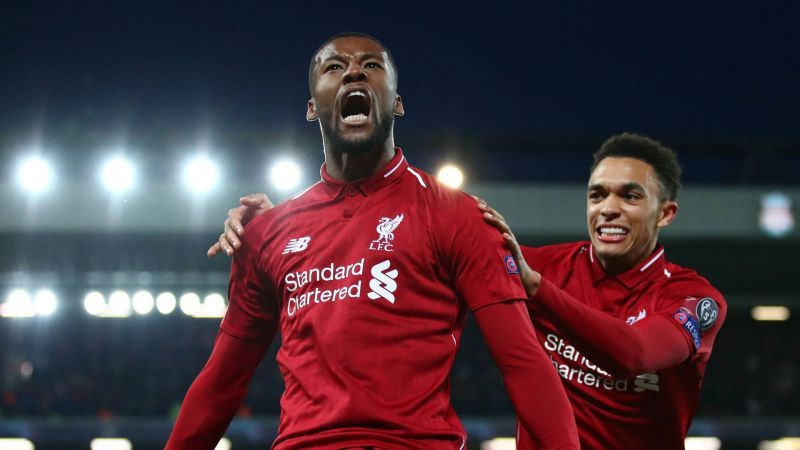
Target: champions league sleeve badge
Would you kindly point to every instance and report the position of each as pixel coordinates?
(707, 312)
(511, 265)
(685, 318)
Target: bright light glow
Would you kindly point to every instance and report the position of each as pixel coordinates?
(119, 305)
(15, 444)
(201, 175)
(45, 302)
(702, 443)
(94, 303)
(770, 313)
(285, 175)
(110, 444)
(451, 176)
(213, 307)
(34, 174)
(501, 443)
(189, 303)
(18, 304)
(143, 302)
(165, 302)
(787, 443)
(224, 444)
(117, 174)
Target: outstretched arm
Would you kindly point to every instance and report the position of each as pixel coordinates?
(651, 344)
(215, 396)
(529, 377)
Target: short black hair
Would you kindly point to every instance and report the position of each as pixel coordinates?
(342, 35)
(663, 159)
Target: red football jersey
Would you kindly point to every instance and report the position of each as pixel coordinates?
(652, 410)
(370, 281)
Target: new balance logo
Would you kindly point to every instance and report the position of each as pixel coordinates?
(382, 284)
(297, 245)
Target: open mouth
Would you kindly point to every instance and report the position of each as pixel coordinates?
(355, 107)
(611, 233)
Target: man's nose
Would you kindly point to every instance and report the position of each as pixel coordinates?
(354, 73)
(610, 207)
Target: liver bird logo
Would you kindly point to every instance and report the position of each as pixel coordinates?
(386, 227)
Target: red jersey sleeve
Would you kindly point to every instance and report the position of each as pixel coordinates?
(697, 310)
(481, 268)
(253, 305)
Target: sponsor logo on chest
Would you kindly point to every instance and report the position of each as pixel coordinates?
(576, 369)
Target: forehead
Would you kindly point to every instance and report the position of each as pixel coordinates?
(351, 47)
(614, 171)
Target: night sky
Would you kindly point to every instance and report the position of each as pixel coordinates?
(161, 71)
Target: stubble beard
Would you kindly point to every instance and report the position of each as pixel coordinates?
(360, 146)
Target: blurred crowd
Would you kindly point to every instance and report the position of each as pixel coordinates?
(141, 367)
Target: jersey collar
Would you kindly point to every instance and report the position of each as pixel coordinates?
(654, 264)
(389, 173)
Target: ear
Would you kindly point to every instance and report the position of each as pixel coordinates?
(398, 107)
(669, 210)
(311, 112)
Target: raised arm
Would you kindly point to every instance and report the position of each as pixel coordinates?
(530, 379)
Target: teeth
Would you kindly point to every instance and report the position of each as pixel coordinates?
(356, 93)
(355, 118)
(613, 230)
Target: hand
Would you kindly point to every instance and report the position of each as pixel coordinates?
(252, 206)
(530, 278)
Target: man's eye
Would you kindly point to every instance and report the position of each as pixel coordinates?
(333, 67)
(372, 65)
(594, 195)
(631, 196)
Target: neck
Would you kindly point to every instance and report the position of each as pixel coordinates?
(616, 266)
(353, 166)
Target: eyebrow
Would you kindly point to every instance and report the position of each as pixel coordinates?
(363, 56)
(630, 186)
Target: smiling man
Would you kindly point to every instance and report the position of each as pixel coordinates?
(629, 333)
(368, 275)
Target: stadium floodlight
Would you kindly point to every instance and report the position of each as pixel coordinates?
(94, 303)
(451, 175)
(201, 174)
(18, 304)
(189, 303)
(34, 174)
(224, 444)
(117, 174)
(702, 443)
(500, 443)
(45, 302)
(110, 444)
(285, 175)
(166, 302)
(786, 443)
(16, 444)
(770, 313)
(142, 302)
(213, 307)
(119, 305)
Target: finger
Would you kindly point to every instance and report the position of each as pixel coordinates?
(214, 249)
(496, 213)
(496, 222)
(232, 238)
(223, 243)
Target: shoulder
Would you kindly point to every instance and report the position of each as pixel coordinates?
(258, 230)
(554, 253)
(685, 282)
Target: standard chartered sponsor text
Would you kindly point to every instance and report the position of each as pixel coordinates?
(296, 280)
(594, 376)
